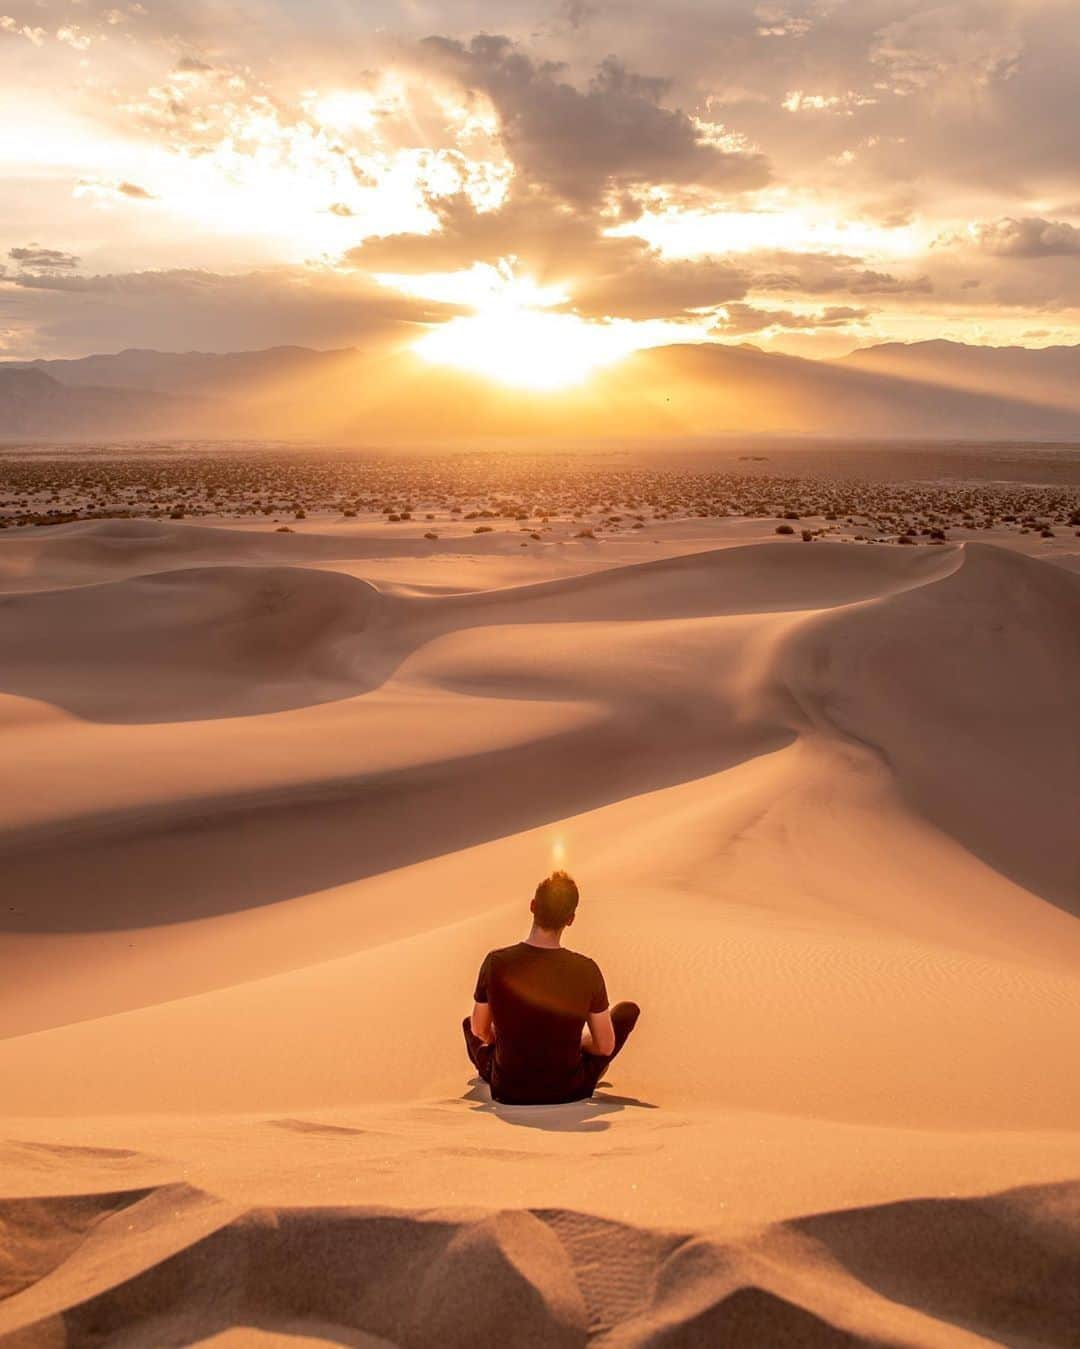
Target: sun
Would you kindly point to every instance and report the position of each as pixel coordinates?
(516, 334)
(525, 348)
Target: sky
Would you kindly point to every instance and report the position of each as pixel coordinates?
(532, 189)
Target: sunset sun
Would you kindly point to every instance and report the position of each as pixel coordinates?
(525, 348)
(517, 333)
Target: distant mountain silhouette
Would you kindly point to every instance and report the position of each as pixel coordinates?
(35, 406)
(181, 371)
(1049, 375)
(935, 391)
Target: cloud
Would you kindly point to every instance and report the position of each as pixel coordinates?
(93, 188)
(74, 36)
(60, 314)
(583, 143)
(577, 13)
(604, 276)
(525, 149)
(35, 258)
(961, 46)
(747, 318)
(192, 65)
(1028, 237)
(651, 287)
(32, 34)
(778, 21)
(827, 274)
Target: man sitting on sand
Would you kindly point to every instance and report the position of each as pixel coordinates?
(527, 1036)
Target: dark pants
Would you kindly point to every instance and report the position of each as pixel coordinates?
(624, 1017)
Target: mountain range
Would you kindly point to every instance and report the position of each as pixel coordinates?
(931, 390)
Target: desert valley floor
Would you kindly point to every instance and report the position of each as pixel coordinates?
(269, 795)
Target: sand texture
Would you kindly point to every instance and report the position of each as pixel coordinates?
(269, 797)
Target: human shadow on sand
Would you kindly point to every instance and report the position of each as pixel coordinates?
(579, 1117)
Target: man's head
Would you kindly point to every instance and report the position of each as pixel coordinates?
(555, 902)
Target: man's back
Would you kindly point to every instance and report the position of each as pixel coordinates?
(540, 997)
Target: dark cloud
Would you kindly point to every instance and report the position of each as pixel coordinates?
(63, 314)
(577, 13)
(747, 318)
(582, 143)
(35, 258)
(552, 239)
(828, 274)
(560, 245)
(651, 288)
(1028, 237)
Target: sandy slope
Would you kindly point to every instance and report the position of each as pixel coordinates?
(268, 815)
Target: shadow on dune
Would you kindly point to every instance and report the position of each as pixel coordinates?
(196, 644)
(184, 861)
(962, 677)
(173, 1265)
(240, 640)
(89, 552)
(581, 1117)
(1006, 1266)
(967, 688)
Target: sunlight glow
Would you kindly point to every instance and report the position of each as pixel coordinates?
(691, 234)
(482, 287)
(527, 348)
(517, 337)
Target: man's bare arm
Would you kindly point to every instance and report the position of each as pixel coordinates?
(483, 1027)
(599, 1036)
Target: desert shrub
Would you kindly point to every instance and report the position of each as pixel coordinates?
(784, 529)
(584, 534)
(284, 529)
(431, 534)
(483, 529)
(807, 536)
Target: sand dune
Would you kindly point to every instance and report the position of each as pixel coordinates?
(172, 1265)
(966, 688)
(88, 551)
(269, 814)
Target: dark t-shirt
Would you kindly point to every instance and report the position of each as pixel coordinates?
(539, 998)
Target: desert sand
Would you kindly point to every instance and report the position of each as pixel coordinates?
(268, 799)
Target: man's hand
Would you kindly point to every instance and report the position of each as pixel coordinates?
(483, 1027)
